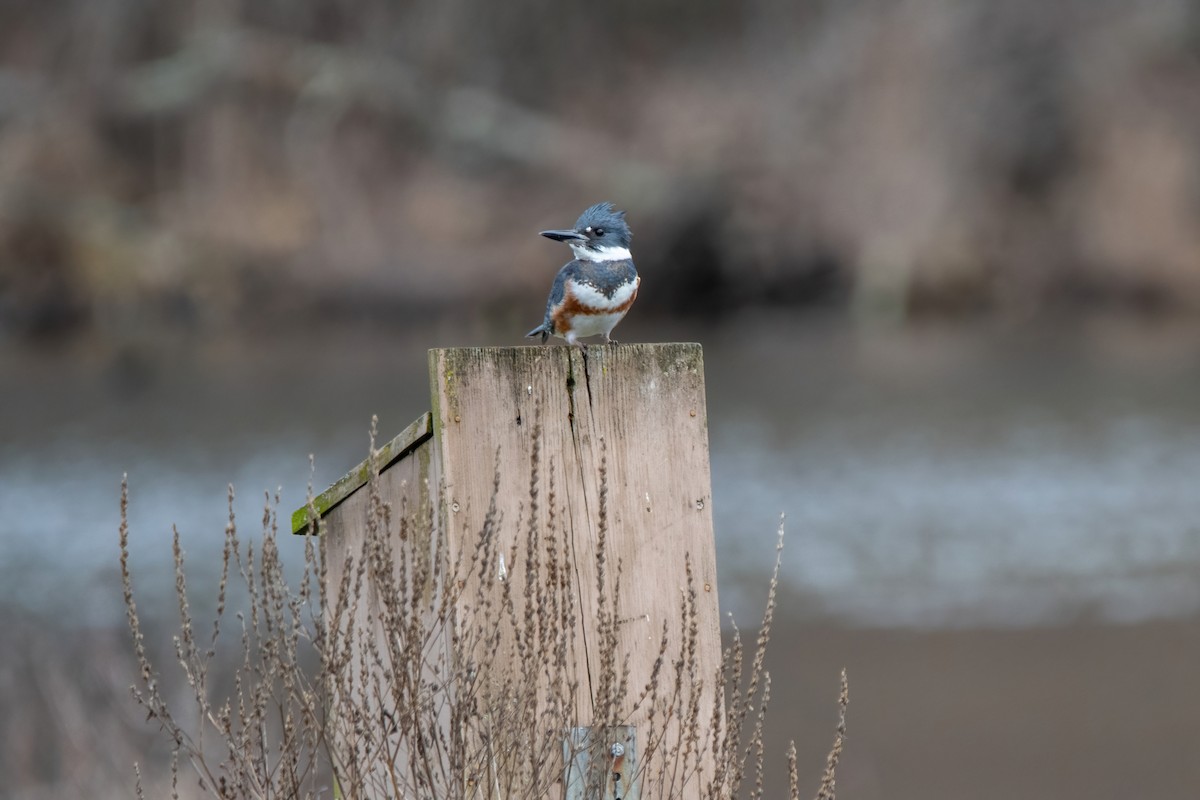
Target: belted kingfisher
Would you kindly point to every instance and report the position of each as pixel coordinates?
(591, 294)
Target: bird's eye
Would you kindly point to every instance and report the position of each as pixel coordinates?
(599, 231)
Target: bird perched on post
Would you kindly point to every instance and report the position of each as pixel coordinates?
(591, 294)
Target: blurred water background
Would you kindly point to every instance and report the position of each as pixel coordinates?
(944, 260)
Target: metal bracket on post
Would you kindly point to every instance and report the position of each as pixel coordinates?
(601, 763)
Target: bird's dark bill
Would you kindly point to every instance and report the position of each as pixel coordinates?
(564, 236)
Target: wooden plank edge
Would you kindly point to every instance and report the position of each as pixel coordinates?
(408, 440)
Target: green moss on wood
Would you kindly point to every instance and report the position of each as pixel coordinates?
(407, 441)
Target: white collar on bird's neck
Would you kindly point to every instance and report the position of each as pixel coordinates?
(585, 253)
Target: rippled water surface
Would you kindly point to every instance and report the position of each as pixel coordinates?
(930, 477)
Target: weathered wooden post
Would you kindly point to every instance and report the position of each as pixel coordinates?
(634, 412)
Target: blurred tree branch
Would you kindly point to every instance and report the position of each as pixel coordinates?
(320, 74)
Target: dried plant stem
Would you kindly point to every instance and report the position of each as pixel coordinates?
(403, 667)
(828, 790)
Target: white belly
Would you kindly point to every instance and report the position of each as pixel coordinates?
(595, 324)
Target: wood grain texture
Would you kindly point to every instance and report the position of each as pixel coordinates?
(639, 411)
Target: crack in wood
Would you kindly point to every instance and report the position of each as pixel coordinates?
(587, 377)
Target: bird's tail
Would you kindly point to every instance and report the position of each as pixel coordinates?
(543, 329)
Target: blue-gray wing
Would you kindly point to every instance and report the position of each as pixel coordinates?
(558, 290)
(558, 293)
